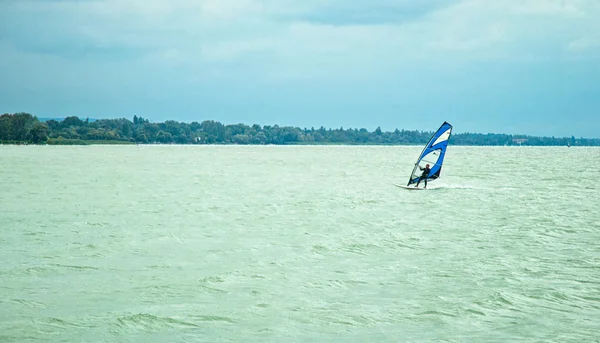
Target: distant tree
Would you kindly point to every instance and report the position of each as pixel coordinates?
(290, 135)
(241, 139)
(53, 124)
(21, 126)
(141, 138)
(72, 121)
(39, 132)
(164, 137)
(6, 132)
(259, 138)
(111, 135)
(181, 139)
(172, 127)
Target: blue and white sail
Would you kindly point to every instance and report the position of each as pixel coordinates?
(433, 154)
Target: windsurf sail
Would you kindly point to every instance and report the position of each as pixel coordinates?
(433, 154)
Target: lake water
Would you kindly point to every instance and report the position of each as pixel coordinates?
(298, 244)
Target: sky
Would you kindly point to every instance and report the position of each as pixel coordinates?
(486, 66)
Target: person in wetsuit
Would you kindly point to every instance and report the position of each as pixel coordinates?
(424, 175)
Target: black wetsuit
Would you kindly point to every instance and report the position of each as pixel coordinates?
(424, 176)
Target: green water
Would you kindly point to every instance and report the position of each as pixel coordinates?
(297, 244)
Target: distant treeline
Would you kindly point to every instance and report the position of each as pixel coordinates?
(22, 128)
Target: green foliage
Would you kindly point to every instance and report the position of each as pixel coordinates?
(16, 127)
(39, 132)
(25, 128)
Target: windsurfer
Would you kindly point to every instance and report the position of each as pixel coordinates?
(424, 175)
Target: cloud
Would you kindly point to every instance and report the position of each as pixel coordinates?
(231, 50)
(283, 42)
(296, 30)
(340, 12)
(583, 44)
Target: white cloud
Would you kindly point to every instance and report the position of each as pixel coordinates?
(583, 44)
(230, 50)
(218, 10)
(562, 8)
(342, 38)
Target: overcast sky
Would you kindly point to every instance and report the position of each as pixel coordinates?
(499, 66)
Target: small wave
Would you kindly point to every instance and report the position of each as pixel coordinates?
(319, 249)
(499, 301)
(36, 233)
(210, 279)
(335, 317)
(29, 303)
(211, 289)
(397, 243)
(477, 312)
(437, 313)
(214, 319)
(59, 323)
(69, 266)
(36, 270)
(151, 322)
(502, 299)
(369, 201)
(156, 266)
(18, 338)
(592, 299)
(98, 224)
(360, 248)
